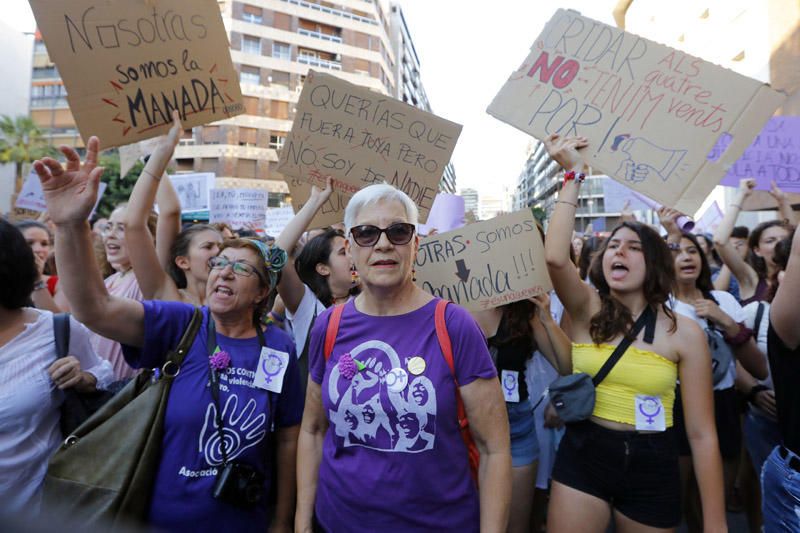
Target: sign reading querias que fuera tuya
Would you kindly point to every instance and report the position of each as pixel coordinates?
(652, 114)
(361, 137)
(485, 264)
(127, 64)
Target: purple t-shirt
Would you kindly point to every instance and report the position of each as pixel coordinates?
(191, 450)
(393, 458)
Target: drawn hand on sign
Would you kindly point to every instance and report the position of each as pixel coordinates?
(643, 159)
(71, 194)
(565, 150)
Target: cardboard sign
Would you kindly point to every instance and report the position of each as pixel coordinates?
(194, 190)
(277, 218)
(31, 196)
(651, 113)
(486, 264)
(616, 195)
(361, 137)
(763, 201)
(239, 208)
(130, 153)
(709, 220)
(332, 212)
(446, 214)
(773, 155)
(127, 64)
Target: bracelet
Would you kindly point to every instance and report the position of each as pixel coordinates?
(736, 205)
(755, 389)
(741, 337)
(571, 175)
(145, 171)
(39, 285)
(568, 203)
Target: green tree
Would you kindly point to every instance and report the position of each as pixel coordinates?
(119, 187)
(22, 142)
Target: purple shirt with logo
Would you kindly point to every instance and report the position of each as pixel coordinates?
(191, 452)
(393, 457)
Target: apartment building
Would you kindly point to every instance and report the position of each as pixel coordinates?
(273, 43)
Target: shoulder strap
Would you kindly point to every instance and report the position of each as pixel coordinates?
(444, 338)
(333, 330)
(187, 339)
(759, 316)
(61, 332)
(647, 317)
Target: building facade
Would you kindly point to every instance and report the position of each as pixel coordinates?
(274, 43)
(471, 203)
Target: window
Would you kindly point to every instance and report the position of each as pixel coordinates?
(251, 105)
(211, 134)
(280, 78)
(209, 164)
(251, 45)
(185, 164)
(279, 110)
(45, 72)
(246, 168)
(248, 136)
(252, 14)
(282, 21)
(250, 75)
(276, 141)
(281, 51)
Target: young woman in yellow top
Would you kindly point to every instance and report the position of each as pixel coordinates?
(624, 461)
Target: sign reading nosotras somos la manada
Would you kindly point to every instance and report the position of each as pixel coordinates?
(485, 264)
(127, 64)
(361, 137)
(652, 114)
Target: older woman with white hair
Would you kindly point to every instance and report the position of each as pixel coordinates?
(405, 428)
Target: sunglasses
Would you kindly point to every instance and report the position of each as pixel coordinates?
(368, 235)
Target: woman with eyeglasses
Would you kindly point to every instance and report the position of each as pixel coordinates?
(236, 385)
(380, 446)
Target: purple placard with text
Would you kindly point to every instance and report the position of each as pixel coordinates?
(616, 194)
(774, 154)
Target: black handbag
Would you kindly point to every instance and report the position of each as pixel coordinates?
(573, 396)
(77, 406)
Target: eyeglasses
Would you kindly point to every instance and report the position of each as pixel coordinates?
(239, 267)
(397, 233)
(110, 228)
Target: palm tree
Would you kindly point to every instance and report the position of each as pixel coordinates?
(22, 142)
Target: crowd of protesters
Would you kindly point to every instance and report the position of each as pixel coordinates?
(389, 412)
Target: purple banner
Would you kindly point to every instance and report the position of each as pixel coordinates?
(616, 194)
(773, 155)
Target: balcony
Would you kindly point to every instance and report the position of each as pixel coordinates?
(317, 62)
(331, 11)
(48, 102)
(320, 35)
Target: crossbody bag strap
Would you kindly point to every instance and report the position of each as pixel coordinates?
(648, 317)
(759, 317)
(179, 353)
(333, 330)
(61, 333)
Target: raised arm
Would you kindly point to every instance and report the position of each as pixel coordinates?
(784, 204)
(149, 269)
(169, 220)
(571, 290)
(70, 195)
(783, 312)
(553, 343)
(291, 288)
(744, 273)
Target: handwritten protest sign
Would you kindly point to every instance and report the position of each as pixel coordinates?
(130, 153)
(773, 155)
(331, 212)
(616, 195)
(361, 137)
(31, 196)
(239, 208)
(486, 264)
(193, 190)
(127, 64)
(709, 220)
(277, 218)
(446, 214)
(651, 113)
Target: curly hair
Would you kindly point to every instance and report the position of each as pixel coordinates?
(614, 318)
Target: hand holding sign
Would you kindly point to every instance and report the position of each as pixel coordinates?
(565, 150)
(71, 193)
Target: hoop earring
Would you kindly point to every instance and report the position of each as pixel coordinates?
(413, 274)
(353, 275)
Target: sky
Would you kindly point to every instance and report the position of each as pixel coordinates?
(467, 50)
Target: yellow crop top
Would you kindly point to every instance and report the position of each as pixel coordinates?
(637, 372)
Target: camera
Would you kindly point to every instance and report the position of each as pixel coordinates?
(239, 484)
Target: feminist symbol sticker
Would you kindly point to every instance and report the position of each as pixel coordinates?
(510, 381)
(271, 368)
(650, 413)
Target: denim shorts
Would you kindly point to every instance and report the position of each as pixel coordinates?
(524, 445)
(636, 473)
(780, 486)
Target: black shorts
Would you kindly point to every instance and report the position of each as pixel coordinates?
(637, 473)
(728, 422)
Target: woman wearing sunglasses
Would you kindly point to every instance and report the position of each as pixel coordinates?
(380, 447)
(236, 383)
